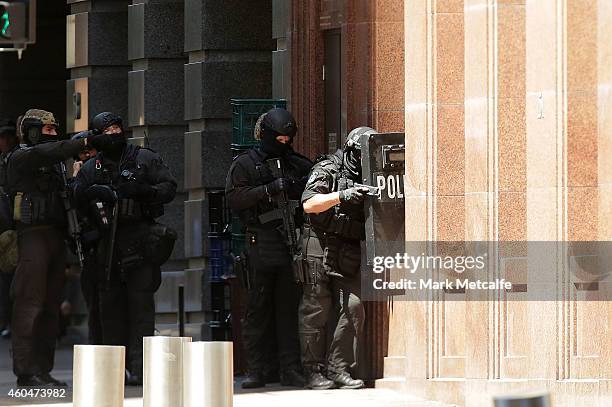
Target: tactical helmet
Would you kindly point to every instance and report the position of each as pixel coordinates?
(32, 123)
(104, 120)
(280, 121)
(8, 128)
(353, 140)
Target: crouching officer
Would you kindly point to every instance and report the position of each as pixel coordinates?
(251, 190)
(333, 247)
(35, 184)
(134, 184)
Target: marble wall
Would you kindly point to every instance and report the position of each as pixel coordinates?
(507, 106)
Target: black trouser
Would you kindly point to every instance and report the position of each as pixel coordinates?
(333, 305)
(37, 292)
(272, 303)
(89, 286)
(127, 311)
(6, 304)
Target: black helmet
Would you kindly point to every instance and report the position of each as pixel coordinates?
(104, 120)
(31, 125)
(8, 128)
(352, 151)
(280, 121)
(353, 140)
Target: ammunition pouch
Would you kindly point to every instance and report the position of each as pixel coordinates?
(150, 243)
(307, 269)
(159, 243)
(341, 257)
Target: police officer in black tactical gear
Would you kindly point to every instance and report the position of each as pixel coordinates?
(333, 249)
(134, 183)
(274, 293)
(9, 142)
(34, 183)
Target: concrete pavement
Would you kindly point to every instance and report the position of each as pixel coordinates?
(271, 396)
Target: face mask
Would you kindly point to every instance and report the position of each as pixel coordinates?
(115, 150)
(273, 147)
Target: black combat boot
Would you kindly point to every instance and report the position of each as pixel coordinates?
(292, 377)
(344, 380)
(31, 381)
(315, 379)
(52, 381)
(254, 380)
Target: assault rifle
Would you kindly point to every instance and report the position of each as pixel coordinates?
(74, 229)
(286, 211)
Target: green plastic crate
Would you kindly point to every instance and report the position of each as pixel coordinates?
(238, 243)
(245, 113)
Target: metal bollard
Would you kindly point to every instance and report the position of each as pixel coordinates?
(163, 371)
(98, 376)
(523, 400)
(208, 374)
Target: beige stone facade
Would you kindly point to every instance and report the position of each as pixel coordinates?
(508, 110)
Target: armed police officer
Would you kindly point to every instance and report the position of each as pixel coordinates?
(133, 183)
(251, 190)
(333, 245)
(9, 142)
(35, 185)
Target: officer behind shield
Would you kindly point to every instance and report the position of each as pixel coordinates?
(34, 185)
(134, 183)
(250, 190)
(333, 248)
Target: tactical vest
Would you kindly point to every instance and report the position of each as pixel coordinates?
(37, 200)
(345, 221)
(260, 174)
(108, 173)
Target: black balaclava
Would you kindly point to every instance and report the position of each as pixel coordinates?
(271, 146)
(277, 122)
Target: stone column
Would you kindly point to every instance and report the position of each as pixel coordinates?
(96, 56)
(155, 117)
(229, 46)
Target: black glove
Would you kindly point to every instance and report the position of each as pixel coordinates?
(101, 193)
(277, 186)
(136, 190)
(100, 141)
(353, 195)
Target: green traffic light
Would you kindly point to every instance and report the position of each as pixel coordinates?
(5, 22)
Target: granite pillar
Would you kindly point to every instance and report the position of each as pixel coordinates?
(96, 56)
(229, 46)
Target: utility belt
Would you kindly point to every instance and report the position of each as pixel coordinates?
(129, 209)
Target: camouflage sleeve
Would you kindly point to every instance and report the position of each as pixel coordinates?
(320, 181)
